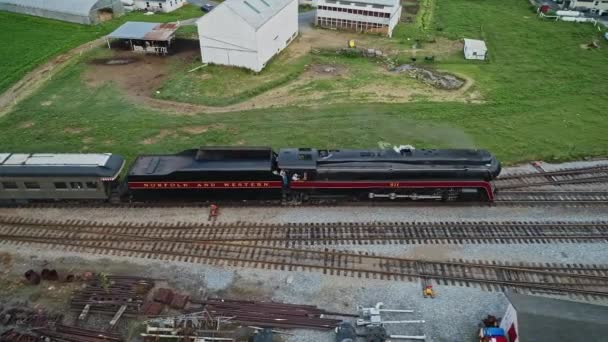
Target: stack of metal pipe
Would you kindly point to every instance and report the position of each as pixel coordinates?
(270, 314)
(75, 334)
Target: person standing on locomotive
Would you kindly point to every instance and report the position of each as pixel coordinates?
(285, 182)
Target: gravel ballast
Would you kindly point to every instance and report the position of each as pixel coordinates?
(452, 316)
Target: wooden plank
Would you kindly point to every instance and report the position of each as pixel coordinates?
(84, 312)
(117, 315)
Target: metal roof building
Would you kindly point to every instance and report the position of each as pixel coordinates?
(76, 11)
(146, 37)
(372, 16)
(247, 33)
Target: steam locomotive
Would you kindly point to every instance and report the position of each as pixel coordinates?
(255, 173)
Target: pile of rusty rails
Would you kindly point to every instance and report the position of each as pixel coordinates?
(271, 314)
(112, 295)
(66, 333)
(23, 315)
(309, 234)
(595, 174)
(15, 336)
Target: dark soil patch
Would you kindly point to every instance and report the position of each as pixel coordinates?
(114, 61)
(329, 69)
(411, 9)
(139, 75)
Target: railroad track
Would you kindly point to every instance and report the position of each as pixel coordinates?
(566, 176)
(506, 197)
(584, 280)
(325, 234)
(551, 197)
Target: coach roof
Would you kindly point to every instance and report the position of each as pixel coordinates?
(105, 165)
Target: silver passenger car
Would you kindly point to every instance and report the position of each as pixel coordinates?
(58, 176)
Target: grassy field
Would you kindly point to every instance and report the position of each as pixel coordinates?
(220, 86)
(544, 99)
(353, 80)
(30, 41)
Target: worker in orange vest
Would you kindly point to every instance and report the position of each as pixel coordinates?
(212, 212)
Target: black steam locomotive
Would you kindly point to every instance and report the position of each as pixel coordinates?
(258, 173)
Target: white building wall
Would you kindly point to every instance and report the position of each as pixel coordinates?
(350, 16)
(227, 40)
(394, 20)
(473, 53)
(159, 6)
(394, 13)
(510, 319)
(601, 5)
(277, 33)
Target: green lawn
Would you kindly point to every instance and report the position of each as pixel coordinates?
(30, 41)
(545, 98)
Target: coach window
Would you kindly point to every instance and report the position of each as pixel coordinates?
(76, 185)
(9, 185)
(60, 185)
(31, 185)
(91, 185)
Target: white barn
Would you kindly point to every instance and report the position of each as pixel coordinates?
(159, 5)
(475, 49)
(247, 33)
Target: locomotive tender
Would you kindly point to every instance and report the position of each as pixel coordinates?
(242, 173)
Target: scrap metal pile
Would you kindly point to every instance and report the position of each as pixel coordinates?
(217, 319)
(21, 317)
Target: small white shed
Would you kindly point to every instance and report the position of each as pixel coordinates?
(247, 33)
(475, 49)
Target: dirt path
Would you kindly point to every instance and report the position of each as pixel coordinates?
(37, 77)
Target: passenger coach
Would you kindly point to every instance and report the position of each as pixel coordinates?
(42, 176)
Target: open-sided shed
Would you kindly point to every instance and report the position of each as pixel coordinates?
(144, 37)
(76, 11)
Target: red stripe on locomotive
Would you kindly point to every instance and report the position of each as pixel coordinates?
(393, 185)
(207, 185)
(314, 185)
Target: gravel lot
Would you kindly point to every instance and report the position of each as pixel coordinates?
(334, 293)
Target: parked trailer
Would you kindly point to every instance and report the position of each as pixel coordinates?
(578, 19)
(570, 13)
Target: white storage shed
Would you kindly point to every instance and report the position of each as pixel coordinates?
(247, 33)
(475, 49)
